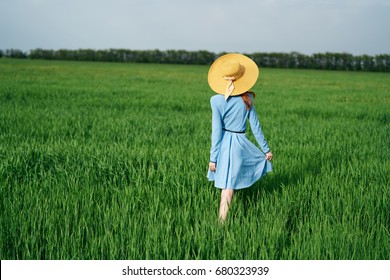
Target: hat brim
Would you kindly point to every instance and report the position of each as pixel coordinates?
(218, 83)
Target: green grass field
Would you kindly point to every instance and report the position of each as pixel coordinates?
(109, 161)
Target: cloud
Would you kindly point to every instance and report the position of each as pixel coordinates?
(306, 26)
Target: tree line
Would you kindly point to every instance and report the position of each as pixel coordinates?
(324, 61)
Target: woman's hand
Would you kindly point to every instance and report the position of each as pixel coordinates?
(212, 166)
(268, 156)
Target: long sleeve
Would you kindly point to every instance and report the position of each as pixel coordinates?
(216, 135)
(256, 129)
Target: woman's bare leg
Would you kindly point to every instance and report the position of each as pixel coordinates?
(226, 199)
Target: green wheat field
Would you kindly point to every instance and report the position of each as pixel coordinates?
(109, 161)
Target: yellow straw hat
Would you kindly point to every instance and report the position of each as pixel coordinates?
(232, 74)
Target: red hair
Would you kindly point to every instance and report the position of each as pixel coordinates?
(247, 99)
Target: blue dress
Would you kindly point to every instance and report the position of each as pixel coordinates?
(239, 163)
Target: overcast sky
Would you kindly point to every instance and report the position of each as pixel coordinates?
(305, 26)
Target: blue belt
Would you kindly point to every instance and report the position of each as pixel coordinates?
(241, 132)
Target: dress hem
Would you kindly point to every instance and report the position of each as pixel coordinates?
(245, 186)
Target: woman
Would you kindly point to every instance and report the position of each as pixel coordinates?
(235, 162)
